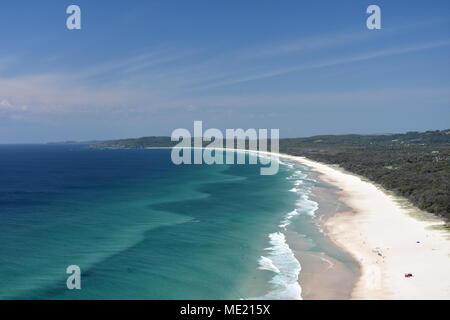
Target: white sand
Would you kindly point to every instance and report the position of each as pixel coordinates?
(382, 236)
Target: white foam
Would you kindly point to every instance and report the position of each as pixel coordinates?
(287, 219)
(281, 259)
(267, 264)
(284, 284)
(306, 205)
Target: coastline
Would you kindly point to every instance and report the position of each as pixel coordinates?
(385, 239)
(329, 275)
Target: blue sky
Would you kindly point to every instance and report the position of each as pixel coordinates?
(141, 68)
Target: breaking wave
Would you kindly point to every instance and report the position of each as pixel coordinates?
(280, 259)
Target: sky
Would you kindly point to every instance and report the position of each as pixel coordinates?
(141, 68)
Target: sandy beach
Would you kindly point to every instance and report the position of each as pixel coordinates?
(386, 240)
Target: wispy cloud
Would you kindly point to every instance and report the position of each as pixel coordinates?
(296, 46)
(136, 63)
(6, 105)
(319, 99)
(168, 78)
(332, 40)
(329, 63)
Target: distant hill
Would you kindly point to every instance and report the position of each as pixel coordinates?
(145, 142)
(415, 165)
(91, 142)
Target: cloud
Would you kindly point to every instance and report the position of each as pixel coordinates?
(321, 99)
(5, 105)
(135, 63)
(169, 78)
(296, 46)
(325, 41)
(328, 63)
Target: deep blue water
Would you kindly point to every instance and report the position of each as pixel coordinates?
(140, 227)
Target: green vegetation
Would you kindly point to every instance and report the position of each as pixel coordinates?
(415, 165)
(145, 142)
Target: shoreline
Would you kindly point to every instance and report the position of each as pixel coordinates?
(332, 274)
(384, 237)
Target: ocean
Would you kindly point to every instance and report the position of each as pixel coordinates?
(140, 227)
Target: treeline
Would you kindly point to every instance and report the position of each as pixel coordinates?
(138, 143)
(415, 165)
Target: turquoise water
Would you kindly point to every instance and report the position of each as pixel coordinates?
(140, 227)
